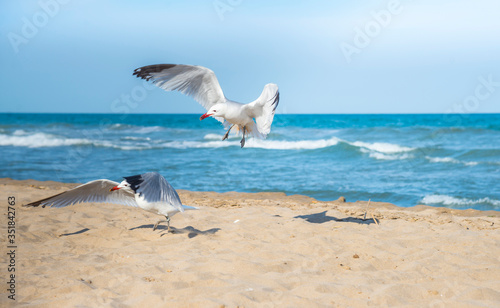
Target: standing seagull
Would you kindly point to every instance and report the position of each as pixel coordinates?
(149, 191)
(201, 84)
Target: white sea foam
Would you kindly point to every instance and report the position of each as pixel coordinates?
(119, 126)
(454, 201)
(148, 129)
(442, 160)
(382, 156)
(292, 145)
(108, 144)
(376, 150)
(136, 138)
(382, 147)
(213, 136)
(38, 140)
(253, 143)
(136, 129)
(19, 132)
(450, 160)
(198, 144)
(383, 151)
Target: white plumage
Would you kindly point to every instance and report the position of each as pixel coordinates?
(149, 191)
(201, 84)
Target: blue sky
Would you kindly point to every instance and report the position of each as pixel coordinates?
(326, 56)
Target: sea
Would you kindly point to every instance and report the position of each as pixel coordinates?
(442, 160)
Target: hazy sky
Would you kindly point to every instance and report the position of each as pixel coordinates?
(417, 56)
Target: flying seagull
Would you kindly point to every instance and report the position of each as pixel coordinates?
(149, 191)
(201, 84)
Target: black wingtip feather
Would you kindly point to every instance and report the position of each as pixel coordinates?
(37, 203)
(276, 101)
(145, 71)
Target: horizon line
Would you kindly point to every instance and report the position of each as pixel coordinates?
(291, 113)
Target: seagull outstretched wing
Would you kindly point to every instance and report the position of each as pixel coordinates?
(196, 81)
(95, 191)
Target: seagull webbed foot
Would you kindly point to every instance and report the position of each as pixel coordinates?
(156, 224)
(243, 139)
(227, 133)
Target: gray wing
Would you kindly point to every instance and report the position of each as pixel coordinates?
(153, 187)
(94, 191)
(196, 81)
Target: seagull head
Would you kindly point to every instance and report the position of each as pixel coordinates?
(217, 110)
(123, 184)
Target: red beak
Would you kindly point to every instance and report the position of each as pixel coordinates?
(114, 188)
(206, 115)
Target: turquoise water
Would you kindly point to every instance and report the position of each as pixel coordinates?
(438, 160)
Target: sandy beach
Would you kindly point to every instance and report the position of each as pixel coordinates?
(249, 250)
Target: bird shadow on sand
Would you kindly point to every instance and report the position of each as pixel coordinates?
(75, 233)
(321, 217)
(191, 232)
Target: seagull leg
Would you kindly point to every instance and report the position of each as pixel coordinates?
(167, 221)
(156, 224)
(227, 133)
(243, 139)
(168, 224)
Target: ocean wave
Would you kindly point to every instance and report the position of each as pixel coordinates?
(450, 160)
(136, 138)
(38, 140)
(254, 143)
(120, 126)
(382, 147)
(378, 150)
(251, 143)
(148, 129)
(383, 150)
(19, 132)
(136, 129)
(458, 202)
(124, 147)
(382, 156)
(292, 145)
(213, 137)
